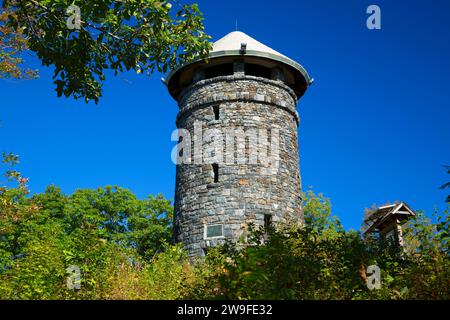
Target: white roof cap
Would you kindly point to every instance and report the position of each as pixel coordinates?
(233, 40)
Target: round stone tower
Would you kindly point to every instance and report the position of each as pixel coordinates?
(237, 153)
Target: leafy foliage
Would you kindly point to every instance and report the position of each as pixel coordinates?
(12, 44)
(122, 246)
(97, 230)
(320, 260)
(139, 35)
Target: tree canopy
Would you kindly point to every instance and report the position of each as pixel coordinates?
(82, 40)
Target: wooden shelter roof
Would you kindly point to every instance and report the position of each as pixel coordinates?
(386, 214)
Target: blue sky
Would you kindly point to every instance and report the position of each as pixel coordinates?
(374, 125)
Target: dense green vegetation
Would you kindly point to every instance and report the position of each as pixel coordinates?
(123, 248)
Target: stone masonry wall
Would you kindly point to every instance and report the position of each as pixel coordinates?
(244, 192)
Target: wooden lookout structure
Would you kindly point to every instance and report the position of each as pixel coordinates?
(388, 220)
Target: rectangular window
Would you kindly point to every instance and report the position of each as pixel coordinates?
(257, 71)
(213, 231)
(219, 70)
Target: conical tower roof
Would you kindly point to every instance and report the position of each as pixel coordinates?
(233, 40)
(230, 47)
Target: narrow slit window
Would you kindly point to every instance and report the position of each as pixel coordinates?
(216, 112)
(180, 150)
(215, 168)
(267, 222)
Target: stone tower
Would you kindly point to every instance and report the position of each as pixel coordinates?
(237, 153)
